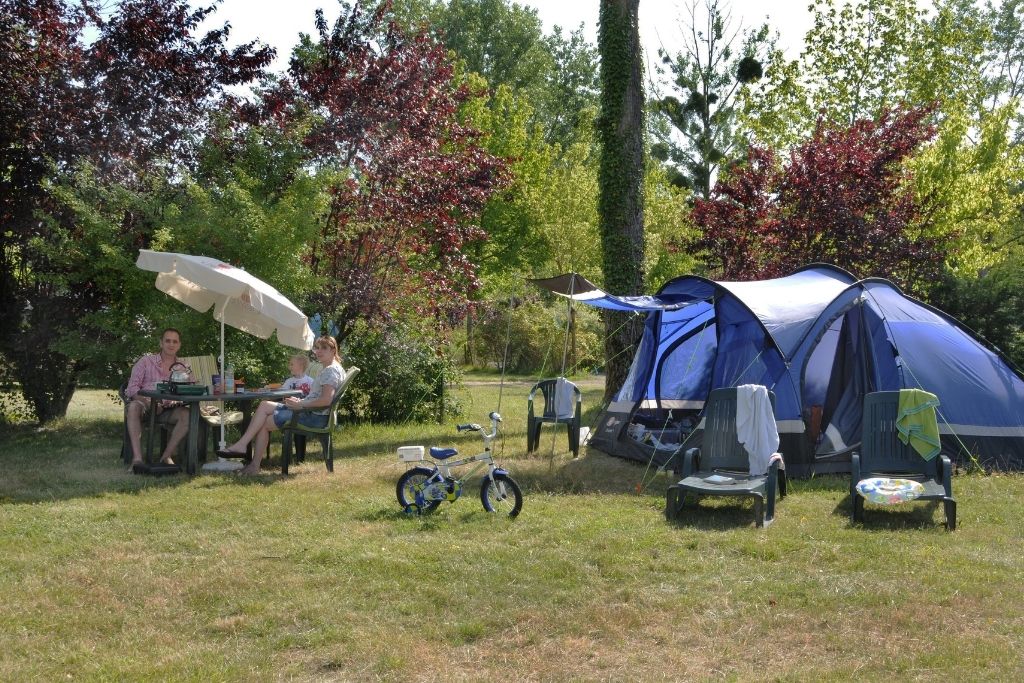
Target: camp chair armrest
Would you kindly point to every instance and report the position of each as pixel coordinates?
(776, 481)
(944, 468)
(691, 461)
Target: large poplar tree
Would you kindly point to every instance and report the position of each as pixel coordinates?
(621, 182)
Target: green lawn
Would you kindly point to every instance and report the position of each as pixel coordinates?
(108, 576)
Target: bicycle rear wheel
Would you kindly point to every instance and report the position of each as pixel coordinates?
(501, 495)
(407, 486)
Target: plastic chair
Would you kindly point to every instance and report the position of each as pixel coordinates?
(721, 467)
(293, 429)
(883, 454)
(548, 388)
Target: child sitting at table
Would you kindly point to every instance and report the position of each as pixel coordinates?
(297, 365)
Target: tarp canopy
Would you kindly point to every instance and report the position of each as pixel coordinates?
(821, 340)
(578, 288)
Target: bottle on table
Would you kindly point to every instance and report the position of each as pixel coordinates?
(229, 379)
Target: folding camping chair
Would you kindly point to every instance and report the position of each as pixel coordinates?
(722, 467)
(883, 454)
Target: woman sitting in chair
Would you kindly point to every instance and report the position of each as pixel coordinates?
(271, 416)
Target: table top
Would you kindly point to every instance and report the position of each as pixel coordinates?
(238, 396)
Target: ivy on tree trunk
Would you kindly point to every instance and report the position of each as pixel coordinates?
(621, 200)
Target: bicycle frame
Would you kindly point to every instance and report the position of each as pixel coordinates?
(445, 467)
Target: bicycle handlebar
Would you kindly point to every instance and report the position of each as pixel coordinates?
(474, 427)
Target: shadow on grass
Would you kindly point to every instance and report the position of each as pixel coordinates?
(737, 514)
(81, 458)
(591, 473)
(464, 510)
(911, 515)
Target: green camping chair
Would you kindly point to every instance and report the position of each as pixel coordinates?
(550, 415)
(721, 467)
(883, 454)
(293, 429)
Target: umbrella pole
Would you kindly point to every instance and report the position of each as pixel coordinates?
(223, 443)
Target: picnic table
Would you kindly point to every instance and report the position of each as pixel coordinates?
(244, 400)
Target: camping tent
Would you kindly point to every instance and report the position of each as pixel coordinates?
(820, 339)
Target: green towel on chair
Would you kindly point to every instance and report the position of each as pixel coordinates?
(916, 422)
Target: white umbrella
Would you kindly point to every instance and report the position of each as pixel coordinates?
(236, 297)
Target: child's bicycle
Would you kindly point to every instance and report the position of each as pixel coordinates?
(424, 487)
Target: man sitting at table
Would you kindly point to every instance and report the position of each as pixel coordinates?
(146, 373)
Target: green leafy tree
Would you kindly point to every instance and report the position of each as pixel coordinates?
(513, 245)
(504, 42)
(667, 222)
(1005, 69)
(620, 129)
(858, 56)
(572, 89)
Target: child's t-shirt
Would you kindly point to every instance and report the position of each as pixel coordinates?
(303, 384)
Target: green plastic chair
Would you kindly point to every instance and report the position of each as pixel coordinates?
(292, 429)
(883, 454)
(707, 471)
(548, 415)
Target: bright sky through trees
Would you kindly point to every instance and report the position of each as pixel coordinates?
(279, 24)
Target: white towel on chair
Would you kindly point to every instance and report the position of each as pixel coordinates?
(565, 398)
(755, 426)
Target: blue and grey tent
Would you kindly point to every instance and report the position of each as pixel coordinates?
(820, 339)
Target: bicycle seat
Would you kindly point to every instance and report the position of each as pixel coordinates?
(442, 453)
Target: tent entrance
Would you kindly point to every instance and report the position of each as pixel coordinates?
(833, 409)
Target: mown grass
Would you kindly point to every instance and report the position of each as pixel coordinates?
(106, 576)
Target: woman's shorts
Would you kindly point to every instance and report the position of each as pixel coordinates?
(284, 415)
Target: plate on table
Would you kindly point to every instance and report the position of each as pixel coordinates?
(888, 490)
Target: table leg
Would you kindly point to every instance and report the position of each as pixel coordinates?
(246, 419)
(152, 428)
(192, 457)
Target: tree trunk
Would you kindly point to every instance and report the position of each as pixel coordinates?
(621, 200)
(48, 379)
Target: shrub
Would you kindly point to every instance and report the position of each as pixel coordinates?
(404, 375)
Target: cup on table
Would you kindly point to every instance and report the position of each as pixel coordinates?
(216, 384)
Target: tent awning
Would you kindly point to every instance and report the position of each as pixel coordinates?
(578, 288)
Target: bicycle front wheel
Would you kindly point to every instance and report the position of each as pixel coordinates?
(408, 484)
(501, 495)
